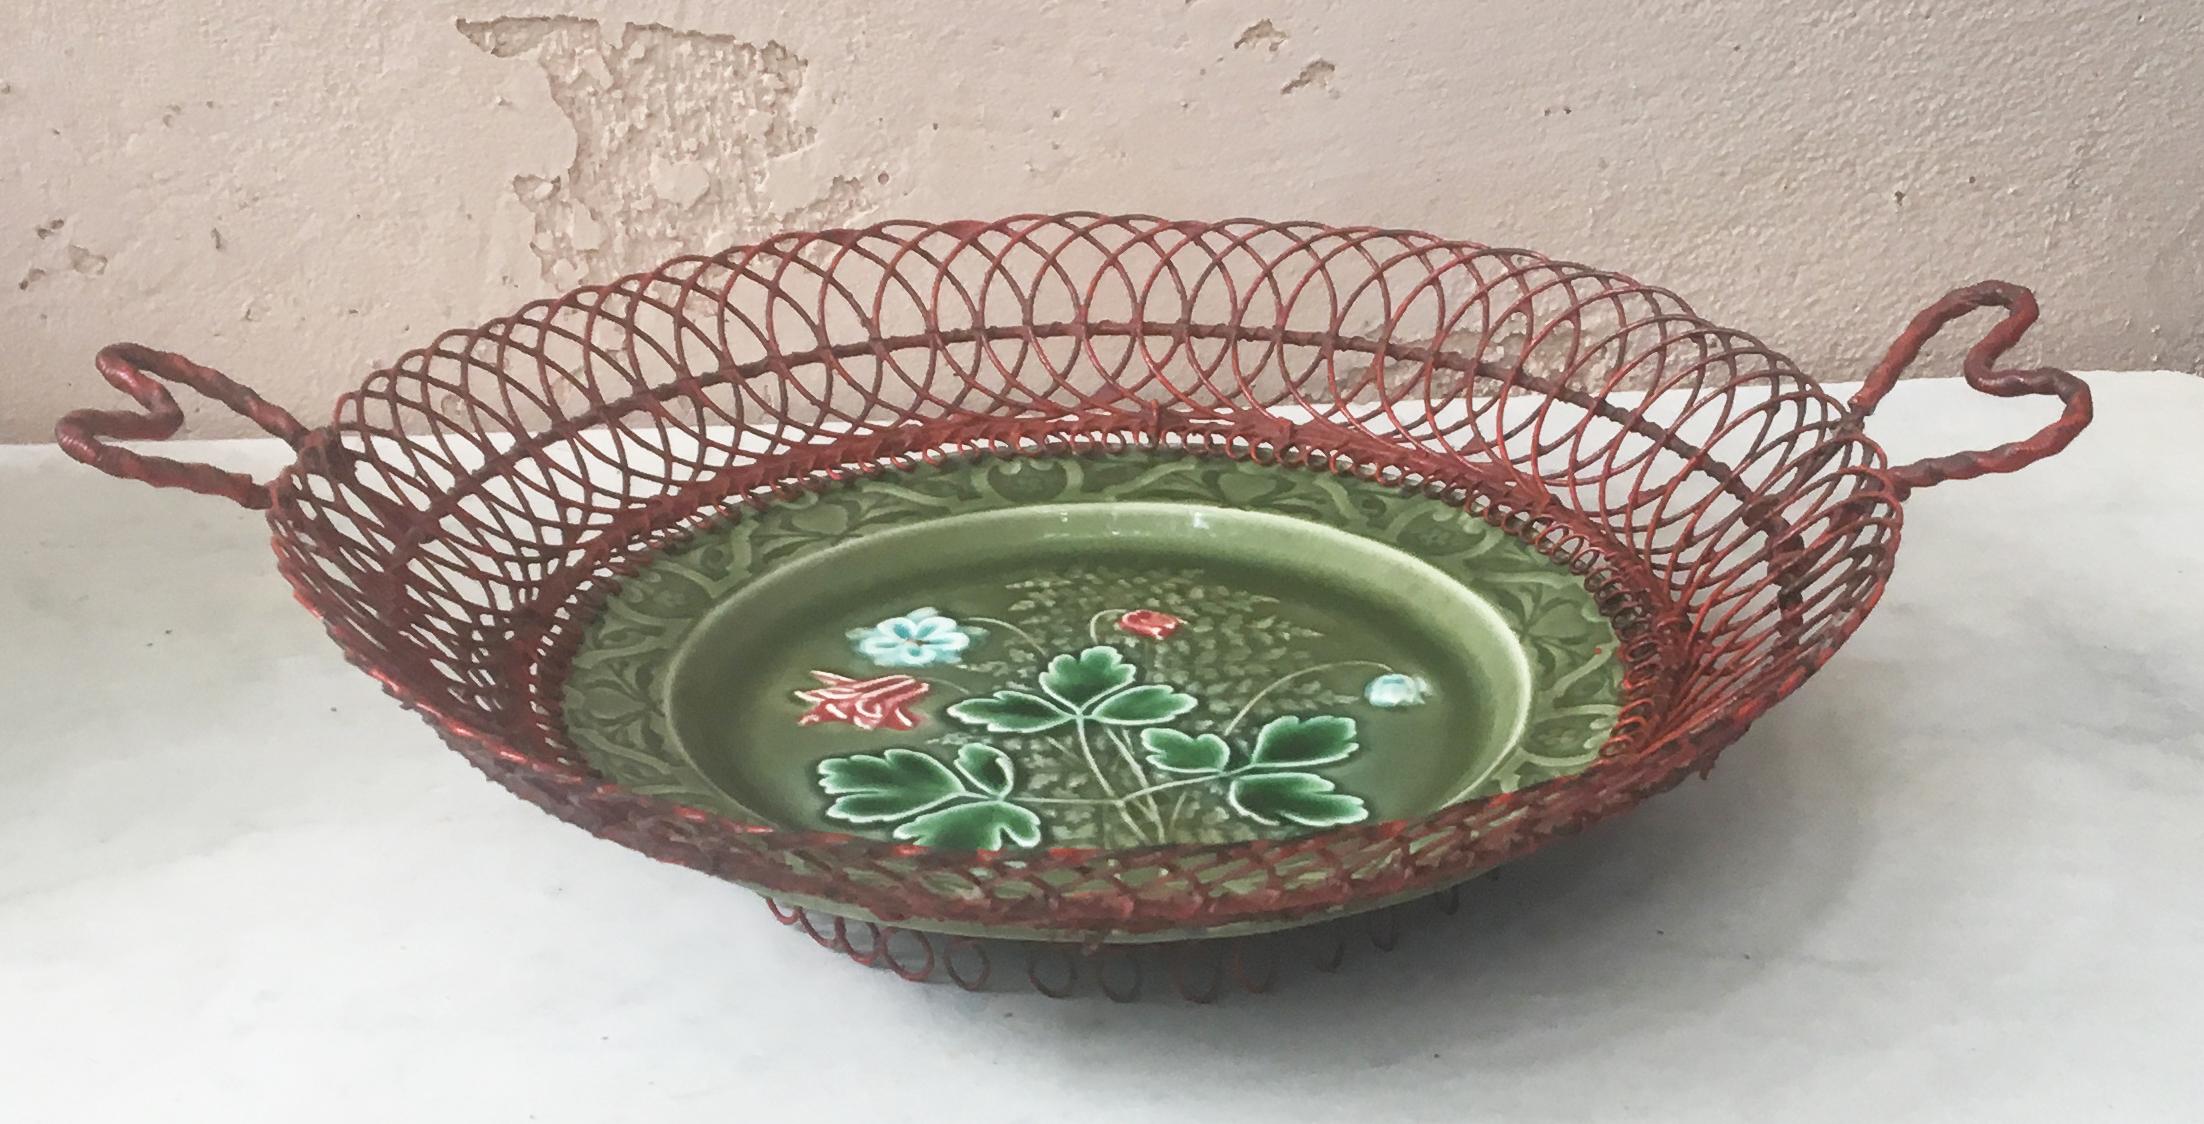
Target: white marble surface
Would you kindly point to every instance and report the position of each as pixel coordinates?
(1960, 876)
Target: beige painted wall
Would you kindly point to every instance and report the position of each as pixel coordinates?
(295, 192)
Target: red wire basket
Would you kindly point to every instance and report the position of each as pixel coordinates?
(461, 516)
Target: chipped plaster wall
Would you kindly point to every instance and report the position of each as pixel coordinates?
(296, 192)
(675, 134)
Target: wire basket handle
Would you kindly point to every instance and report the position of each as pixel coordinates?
(127, 366)
(1979, 368)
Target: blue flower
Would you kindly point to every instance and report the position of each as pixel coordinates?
(1394, 690)
(919, 638)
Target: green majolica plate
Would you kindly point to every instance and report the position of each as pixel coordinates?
(1094, 651)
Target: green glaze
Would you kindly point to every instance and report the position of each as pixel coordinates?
(1104, 651)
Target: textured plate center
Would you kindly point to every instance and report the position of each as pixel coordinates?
(1099, 675)
(1106, 651)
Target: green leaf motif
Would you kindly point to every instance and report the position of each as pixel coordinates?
(1081, 679)
(667, 594)
(1174, 752)
(1302, 798)
(612, 702)
(1143, 706)
(1011, 712)
(1248, 646)
(890, 786)
(1028, 481)
(988, 768)
(1296, 743)
(982, 826)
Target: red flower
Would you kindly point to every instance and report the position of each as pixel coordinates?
(868, 704)
(1151, 623)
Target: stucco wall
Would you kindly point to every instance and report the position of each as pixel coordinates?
(296, 192)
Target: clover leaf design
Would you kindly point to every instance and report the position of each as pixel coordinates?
(1091, 703)
(1269, 783)
(1095, 685)
(967, 808)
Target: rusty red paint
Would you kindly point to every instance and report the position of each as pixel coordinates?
(458, 519)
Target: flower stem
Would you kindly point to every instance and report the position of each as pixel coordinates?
(1062, 745)
(1022, 634)
(1289, 677)
(1140, 775)
(1120, 802)
(1094, 623)
(1086, 750)
(939, 674)
(1205, 778)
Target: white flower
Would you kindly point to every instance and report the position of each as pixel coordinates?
(920, 638)
(1394, 690)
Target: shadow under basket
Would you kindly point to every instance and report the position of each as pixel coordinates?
(1091, 601)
